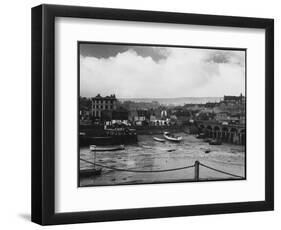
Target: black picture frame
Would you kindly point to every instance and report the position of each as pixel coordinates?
(43, 114)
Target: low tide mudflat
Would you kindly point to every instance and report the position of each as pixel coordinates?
(149, 155)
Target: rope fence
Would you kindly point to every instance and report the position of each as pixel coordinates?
(220, 171)
(136, 171)
(195, 165)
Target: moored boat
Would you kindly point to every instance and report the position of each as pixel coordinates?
(207, 150)
(158, 139)
(107, 140)
(207, 140)
(172, 137)
(90, 172)
(106, 148)
(215, 142)
(201, 136)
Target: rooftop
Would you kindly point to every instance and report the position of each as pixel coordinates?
(112, 96)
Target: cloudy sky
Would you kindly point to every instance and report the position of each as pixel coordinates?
(160, 72)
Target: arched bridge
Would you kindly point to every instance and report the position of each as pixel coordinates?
(225, 132)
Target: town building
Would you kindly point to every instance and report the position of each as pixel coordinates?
(234, 99)
(143, 115)
(100, 104)
(222, 116)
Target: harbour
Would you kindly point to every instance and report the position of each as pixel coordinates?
(150, 155)
(166, 126)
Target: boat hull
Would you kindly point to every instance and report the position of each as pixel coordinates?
(215, 142)
(108, 148)
(173, 139)
(107, 140)
(90, 172)
(158, 139)
(201, 136)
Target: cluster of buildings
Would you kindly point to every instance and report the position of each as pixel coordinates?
(231, 109)
(108, 110)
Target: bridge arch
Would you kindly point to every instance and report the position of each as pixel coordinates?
(242, 136)
(225, 133)
(233, 138)
(201, 127)
(217, 132)
(209, 131)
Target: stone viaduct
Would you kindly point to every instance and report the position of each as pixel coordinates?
(230, 133)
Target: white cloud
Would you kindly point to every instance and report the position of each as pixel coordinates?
(184, 73)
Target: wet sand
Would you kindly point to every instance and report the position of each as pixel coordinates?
(151, 155)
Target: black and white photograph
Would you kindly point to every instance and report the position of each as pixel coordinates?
(160, 114)
(142, 113)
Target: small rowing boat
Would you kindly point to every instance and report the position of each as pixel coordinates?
(106, 148)
(215, 142)
(158, 139)
(201, 136)
(90, 172)
(207, 150)
(172, 137)
(207, 140)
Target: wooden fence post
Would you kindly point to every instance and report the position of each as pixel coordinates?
(196, 170)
